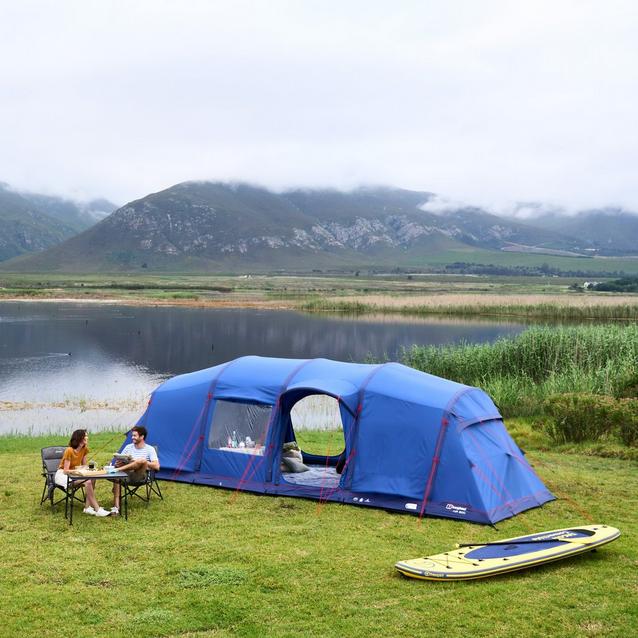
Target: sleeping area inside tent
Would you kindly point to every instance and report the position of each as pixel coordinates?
(312, 456)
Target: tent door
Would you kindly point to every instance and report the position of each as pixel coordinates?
(317, 422)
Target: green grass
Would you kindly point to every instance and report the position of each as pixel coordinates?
(321, 442)
(520, 373)
(214, 563)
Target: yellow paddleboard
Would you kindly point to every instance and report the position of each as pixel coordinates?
(499, 557)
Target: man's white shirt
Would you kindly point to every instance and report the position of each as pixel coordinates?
(147, 453)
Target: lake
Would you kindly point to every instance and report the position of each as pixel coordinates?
(67, 365)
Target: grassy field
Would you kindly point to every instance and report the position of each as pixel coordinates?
(136, 286)
(213, 563)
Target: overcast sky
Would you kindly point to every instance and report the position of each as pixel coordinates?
(487, 102)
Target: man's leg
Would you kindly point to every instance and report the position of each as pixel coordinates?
(116, 495)
(138, 466)
(134, 466)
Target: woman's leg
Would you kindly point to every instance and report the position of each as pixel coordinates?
(90, 495)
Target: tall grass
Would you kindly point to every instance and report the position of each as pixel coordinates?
(563, 309)
(521, 372)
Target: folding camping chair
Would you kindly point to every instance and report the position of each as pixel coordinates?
(51, 457)
(145, 488)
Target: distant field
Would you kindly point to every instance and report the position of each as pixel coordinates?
(141, 286)
(567, 264)
(434, 261)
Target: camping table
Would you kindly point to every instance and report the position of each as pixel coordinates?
(93, 476)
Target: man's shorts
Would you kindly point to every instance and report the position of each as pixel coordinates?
(137, 476)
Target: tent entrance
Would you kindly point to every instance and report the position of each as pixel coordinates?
(317, 428)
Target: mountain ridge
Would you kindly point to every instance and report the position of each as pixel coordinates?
(207, 226)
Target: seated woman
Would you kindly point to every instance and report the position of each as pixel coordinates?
(74, 456)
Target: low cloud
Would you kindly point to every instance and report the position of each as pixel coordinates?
(531, 210)
(439, 205)
(442, 205)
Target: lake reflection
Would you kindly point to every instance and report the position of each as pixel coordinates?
(65, 365)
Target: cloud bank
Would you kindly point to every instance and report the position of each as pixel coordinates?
(488, 102)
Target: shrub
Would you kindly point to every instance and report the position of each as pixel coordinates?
(628, 430)
(628, 387)
(578, 417)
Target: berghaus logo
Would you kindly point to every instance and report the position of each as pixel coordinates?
(456, 509)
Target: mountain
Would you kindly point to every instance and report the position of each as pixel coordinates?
(77, 215)
(607, 231)
(210, 226)
(23, 228)
(30, 222)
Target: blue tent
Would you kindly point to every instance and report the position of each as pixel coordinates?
(412, 441)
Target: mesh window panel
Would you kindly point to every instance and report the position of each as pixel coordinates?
(239, 426)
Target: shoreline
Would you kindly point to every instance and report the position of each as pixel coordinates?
(187, 303)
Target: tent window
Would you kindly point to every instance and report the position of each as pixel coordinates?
(239, 427)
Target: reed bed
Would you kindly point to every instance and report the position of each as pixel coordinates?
(521, 372)
(557, 307)
(316, 412)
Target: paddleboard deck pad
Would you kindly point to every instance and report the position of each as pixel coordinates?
(499, 557)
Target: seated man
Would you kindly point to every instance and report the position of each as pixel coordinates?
(144, 458)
